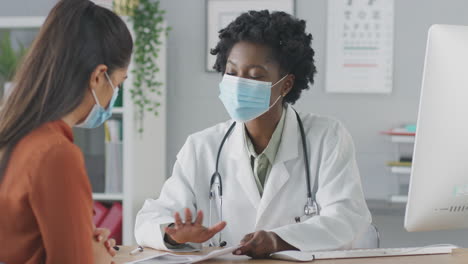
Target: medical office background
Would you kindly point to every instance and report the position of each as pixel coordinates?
(190, 103)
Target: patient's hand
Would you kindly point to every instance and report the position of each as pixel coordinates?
(194, 232)
(102, 246)
(102, 235)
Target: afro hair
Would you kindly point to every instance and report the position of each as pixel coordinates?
(281, 32)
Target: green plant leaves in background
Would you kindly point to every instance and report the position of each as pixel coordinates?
(148, 26)
(9, 58)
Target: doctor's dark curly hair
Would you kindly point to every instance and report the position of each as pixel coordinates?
(283, 33)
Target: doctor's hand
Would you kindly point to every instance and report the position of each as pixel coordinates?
(194, 232)
(261, 244)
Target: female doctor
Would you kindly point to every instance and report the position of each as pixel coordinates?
(269, 179)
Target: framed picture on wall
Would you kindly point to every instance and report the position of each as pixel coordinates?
(219, 13)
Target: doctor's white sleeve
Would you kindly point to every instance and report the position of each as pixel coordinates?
(344, 214)
(176, 195)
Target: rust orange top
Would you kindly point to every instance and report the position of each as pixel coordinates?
(46, 201)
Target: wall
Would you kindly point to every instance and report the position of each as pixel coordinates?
(25, 7)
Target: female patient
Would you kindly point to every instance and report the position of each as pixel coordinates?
(69, 78)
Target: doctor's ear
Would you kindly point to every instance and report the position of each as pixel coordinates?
(288, 84)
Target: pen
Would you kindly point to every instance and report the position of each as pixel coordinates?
(136, 250)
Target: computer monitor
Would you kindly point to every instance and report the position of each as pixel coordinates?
(438, 191)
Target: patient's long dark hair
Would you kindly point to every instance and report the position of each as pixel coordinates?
(76, 37)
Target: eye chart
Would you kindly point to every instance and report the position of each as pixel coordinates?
(360, 46)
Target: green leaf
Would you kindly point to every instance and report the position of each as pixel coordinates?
(148, 26)
(9, 58)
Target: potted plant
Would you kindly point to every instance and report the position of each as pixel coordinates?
(9, 60)
(148, 25)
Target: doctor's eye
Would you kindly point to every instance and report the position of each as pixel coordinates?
(231, 73)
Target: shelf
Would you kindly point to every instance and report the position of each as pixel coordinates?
(401, 170)
(398, 199)
(118, 110)
(385, 207)
(403, 133)
(402, 139)
(107, 196)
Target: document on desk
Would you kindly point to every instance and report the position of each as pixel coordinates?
(171, 258)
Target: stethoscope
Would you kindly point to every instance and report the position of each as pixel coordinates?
(311, 207)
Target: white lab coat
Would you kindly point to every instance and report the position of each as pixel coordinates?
(343, 216)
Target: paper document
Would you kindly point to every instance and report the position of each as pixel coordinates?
(171, 258)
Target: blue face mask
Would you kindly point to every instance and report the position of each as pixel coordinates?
(246, 99)
(98, 114)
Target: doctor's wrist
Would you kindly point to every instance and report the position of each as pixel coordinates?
(168, 239)
(281, 245)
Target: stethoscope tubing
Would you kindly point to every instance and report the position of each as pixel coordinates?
(311, 203)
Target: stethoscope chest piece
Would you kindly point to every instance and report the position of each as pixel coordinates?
(311, 209)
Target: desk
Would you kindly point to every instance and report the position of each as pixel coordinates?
(459, 256)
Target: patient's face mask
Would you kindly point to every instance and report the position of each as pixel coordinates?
(98, 114)
(246, 99)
